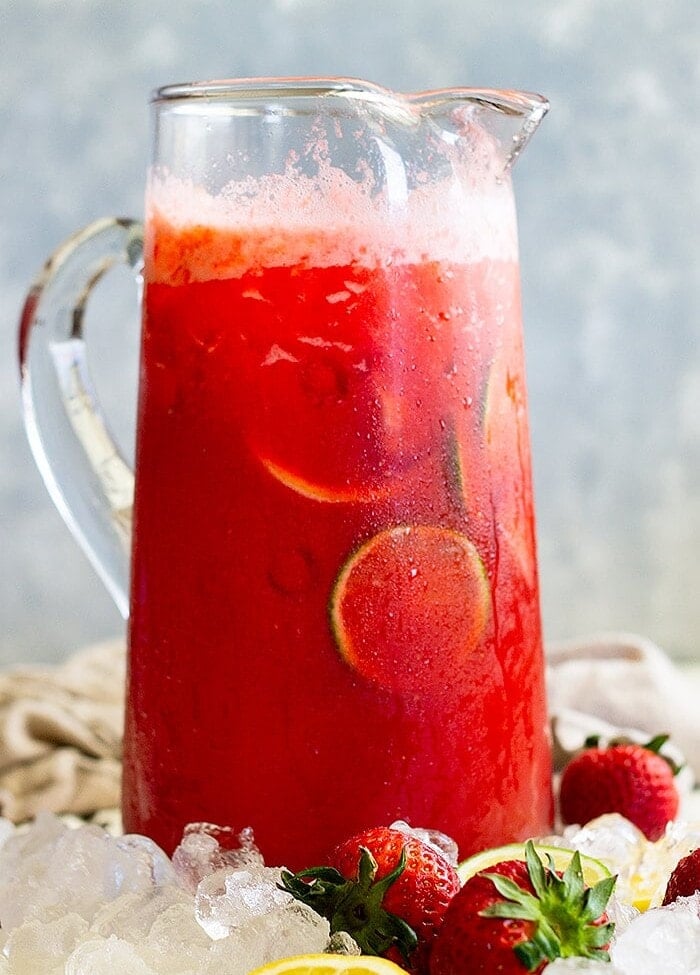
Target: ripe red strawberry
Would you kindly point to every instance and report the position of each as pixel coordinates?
(633, 780)
(518, 916)
(685, 879)
(387, 889)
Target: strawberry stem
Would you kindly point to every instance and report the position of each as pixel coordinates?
(355, 906)
(655, 745)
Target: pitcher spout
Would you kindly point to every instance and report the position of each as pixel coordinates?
(509, 117)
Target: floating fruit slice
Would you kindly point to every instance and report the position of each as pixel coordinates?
(409, 606)
(329, 964)
(317, 491)
(316, 425)
(328, 391)
(593, 870)
(504, 422)
(503, 489)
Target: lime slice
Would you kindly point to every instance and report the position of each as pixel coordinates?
(593, 870)
(330, 965)
(315, 491)
(409, 606)
(507, 440)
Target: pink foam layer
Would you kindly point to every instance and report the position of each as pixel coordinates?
(329, 220)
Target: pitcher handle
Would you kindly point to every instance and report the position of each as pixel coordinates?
(89, 480)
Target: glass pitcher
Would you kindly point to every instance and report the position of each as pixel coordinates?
(330, 573)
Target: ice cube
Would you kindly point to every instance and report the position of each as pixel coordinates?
(195, 858)
(176, 943)
(132, 915)
(441, 842)
(35, 947)
(580, 966)
(228, 899)
(610, 838)
(294, 929)
(51, 870)
(661, 940)
(21, 844)
(206, 848)
(645, 884)
(149, 865)
(620, 913)
(107, 957)
(662, 857)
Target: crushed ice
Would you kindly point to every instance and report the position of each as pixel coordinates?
(79, 901)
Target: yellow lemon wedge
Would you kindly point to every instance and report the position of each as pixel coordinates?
(593, 870)
(330, 965)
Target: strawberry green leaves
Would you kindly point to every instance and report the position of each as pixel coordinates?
(569, 918)
(356, 906)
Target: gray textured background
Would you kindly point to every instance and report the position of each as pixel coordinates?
(609, 203)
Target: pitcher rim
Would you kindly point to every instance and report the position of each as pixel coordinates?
(514, 102)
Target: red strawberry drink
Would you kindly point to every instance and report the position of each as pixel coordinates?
(335, 605)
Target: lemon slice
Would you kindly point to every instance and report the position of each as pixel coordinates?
(593, 870)
(330, 965)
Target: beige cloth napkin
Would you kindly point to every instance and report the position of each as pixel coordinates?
(61, 727)
(61, 734)
(613, 683)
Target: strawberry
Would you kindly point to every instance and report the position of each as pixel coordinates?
(386, 888)
(633, 780)
(685, 879)
(518, 916)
